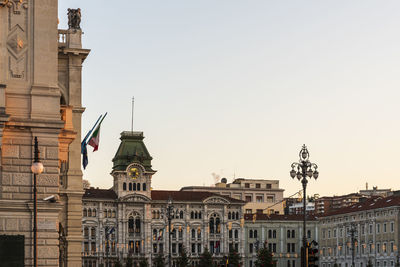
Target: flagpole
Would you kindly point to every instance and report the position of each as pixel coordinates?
(133, 104)
(99, 123)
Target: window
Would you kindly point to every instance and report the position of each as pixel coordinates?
(269, 234)
(130, 186)
(378, 228)
(144, 187)
(258, 185)
(259, 199)
(93, 232)
(293, 234)
(251, 248)
(274, 235)
(86, 232)
(270, 199)
(370, 228)
(134, 186)
(247, 185)
(236, 234)
(259, 211)
(249, 211)
(288, 234)
(269, 186)
(251, 234)
(255, 233)
(124, 186)
(90, 213)
(248, 198)
(84, 212)
(308, 234)
(138, 187)
(94, 213)
(392, 227)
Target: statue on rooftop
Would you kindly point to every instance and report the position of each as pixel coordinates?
(74, 18)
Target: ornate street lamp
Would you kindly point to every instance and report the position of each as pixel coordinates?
(170, 213)
(301, 170)
(37, 168)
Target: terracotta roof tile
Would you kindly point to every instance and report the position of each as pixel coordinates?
(369, 204)
(278, 217)
(99, 193)
(198, 196)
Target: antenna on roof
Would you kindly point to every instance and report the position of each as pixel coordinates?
(133, 104)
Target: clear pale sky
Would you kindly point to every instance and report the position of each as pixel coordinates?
(236, 87)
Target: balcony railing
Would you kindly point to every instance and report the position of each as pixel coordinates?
(62, 38)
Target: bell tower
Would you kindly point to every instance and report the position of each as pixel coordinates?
(132, 169)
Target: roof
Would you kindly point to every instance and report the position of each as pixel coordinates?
(278, 217)
(99, 193)
(369, 204)
(198, 196)
(188, 196)
(131, 149)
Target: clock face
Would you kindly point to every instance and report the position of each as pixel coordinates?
(134, 172)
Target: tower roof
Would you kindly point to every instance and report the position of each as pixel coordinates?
(131, 149)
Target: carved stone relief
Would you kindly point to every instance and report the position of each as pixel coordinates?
(17, 38)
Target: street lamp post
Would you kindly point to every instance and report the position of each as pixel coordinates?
(170, 215)
(304, 169)
(353, 233)
(37, 168)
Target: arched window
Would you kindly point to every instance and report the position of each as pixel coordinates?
(230, 234)
(138, 187)
(93, 232)
(105, 213)
(84, 212)
(180, 233)
(251, 234)
(288, 233)
(192, 215)
(173, 234)
(131, 225)
(198, 233)
(144, 187)
(236, 234)
(237, 215)
(181, 214)
(94, 213)
(86, 232)
(195, 215)
(217, 225)
(158, 214)
(199, 214)
(134, 187)
(269, 233)
(124, 186)
(154, 234)
(90, 213)
(255, 233)
(109, 213)
(229, 216)
(211, 225)
(274, 234)
(137, 225)
(113, 213)
(293, 234)
(130, 186)
(193, 234)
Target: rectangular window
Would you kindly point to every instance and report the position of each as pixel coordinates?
(384, 228)
(259, 199)
(199, 248)
(86, 246)
(154, 248)
(378, 228)
(269, 186)
(392, 227)
(161, 248)
(193, 248)
(174, 248)
(251, 248)
(247, 185)
(258, 185)
(259, 211)
(249, 211)
(270, 199)
(248, 198)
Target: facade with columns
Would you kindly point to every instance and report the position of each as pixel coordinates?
(40, 95)
(129, 220)
(364, 232)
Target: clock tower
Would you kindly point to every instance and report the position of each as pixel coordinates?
(132, 170)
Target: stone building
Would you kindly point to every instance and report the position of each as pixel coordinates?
(129, 220)
(40, 96)
(369, 229)
(261, 196)
(282, 234)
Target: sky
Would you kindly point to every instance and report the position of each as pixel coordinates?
(235, 88)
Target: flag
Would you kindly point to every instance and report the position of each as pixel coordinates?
(85, 159)
(95, 138)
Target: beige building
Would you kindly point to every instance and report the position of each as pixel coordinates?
(261, 196)
(282, 234)
(40, 96)
(374, 226)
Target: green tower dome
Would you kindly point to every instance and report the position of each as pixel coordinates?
(131, 150)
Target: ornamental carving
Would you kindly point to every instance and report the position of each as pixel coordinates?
(216, 200)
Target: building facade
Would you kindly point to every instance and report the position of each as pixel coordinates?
(362, 233)
(130, 220)
(40, 96)
(282, 234)
(261, 196)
